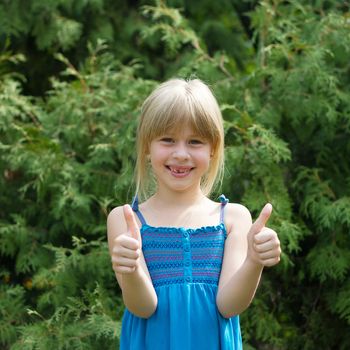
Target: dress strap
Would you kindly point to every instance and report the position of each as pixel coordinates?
(223, 201)
(135, 208)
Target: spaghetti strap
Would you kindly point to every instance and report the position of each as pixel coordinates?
(223, 201)
(135, 208)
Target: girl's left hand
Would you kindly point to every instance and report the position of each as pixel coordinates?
(263, 243)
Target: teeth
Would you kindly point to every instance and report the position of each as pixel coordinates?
(179, 171)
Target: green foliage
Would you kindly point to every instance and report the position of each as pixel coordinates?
(280, 71)
(75, 325)
(66, 166)
(12, 303)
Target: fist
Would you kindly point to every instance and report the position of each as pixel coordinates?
(126, 249)
(263, 243)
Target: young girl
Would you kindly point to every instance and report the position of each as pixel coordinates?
(187, 266)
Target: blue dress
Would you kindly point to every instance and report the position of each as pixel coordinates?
(185, 266)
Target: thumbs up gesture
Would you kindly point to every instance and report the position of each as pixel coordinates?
(263, 243)
(126, 250)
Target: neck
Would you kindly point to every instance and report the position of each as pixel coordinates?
(178, 199)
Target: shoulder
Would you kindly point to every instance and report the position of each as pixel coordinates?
(237, 218)
(116, 222)
(115, 214)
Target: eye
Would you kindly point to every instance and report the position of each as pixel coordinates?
(195, 142)
(167, 140)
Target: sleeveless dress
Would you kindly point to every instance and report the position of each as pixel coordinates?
(185, 266)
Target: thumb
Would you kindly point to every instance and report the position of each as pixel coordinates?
(133, 227)
(261, 221)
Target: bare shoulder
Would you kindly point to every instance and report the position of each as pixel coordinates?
(116, 214)
(115, 223)
(237, 218)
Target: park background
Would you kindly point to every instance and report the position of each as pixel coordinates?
(73, 75)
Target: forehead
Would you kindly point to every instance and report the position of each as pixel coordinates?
(185, 128)
(183, 131)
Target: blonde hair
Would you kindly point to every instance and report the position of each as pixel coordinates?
(170, 106)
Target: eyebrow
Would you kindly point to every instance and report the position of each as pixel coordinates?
(171, 134)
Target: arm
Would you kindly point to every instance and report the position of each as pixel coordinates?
(124, 241)
(248, 248)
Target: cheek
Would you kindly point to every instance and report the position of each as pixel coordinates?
(157, 155)
(204, 158)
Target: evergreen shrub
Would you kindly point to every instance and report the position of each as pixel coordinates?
(280, 72)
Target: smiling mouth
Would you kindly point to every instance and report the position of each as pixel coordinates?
(179, 171)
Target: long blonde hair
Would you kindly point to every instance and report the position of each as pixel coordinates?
(173, 104)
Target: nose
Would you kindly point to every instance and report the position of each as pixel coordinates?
(181, 151)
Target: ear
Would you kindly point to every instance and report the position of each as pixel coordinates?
(213, 149)
(148, 149)
(212, 152)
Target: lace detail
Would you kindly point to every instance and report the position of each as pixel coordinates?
(206, 264)
(160, 245)
(192, 231)
(210, 244)
(175, 255)
(165, 265)
(168, 282)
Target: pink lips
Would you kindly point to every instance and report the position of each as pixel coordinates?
(179, 171)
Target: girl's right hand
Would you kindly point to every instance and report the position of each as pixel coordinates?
(126, 250)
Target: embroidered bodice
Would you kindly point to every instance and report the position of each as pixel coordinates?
(182, 255)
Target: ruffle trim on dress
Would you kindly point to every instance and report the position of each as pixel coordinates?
(223, 200)
(198, 230)
(180, 281)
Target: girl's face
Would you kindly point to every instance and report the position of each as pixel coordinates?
(179, 160)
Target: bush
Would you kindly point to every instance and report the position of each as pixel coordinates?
(67, 157)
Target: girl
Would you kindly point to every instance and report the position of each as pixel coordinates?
(187, 266)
